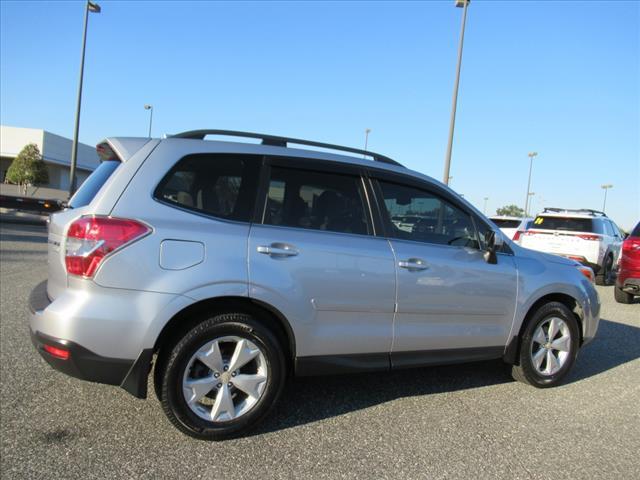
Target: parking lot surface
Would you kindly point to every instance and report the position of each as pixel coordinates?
(464, 421)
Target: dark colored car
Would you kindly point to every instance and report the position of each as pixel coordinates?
(628, 281)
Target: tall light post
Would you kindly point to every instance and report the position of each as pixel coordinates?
(366, 139)
(605, 188)
(447, 159)
(150, 108)
(531, 156)
(484, 209)
(94, 8)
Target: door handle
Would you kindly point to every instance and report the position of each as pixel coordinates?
(278, 250)
(413, 264)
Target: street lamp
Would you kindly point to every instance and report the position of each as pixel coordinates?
(366, 139)
(484, 209)
(150, 108)
(605, 188)
(531, 156)
(94, 8)
(447, 159)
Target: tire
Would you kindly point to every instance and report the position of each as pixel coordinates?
(545, 375)
(606, 277)
(215, 392)
(621, 296)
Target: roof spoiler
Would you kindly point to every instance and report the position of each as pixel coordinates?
(121, 148)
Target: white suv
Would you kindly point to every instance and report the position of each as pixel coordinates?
(587, 236)
(512, 227)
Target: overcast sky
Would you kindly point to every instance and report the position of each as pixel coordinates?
(560, 78)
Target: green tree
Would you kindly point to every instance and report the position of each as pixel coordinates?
(28, 168)
(510, 211)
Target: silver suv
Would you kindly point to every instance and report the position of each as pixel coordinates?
(225, 267)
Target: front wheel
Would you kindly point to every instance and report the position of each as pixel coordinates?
(222, 377)
(549, 346)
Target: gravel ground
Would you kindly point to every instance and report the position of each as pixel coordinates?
(466, 421)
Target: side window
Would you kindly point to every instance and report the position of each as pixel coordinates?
(426, 217)
(608, 229)
(221, 185)
(318, 201)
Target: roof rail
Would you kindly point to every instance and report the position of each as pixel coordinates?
(578, 210)
(276, 141)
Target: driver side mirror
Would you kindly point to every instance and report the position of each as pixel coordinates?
(493, 242)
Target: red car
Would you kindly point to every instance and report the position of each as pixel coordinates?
(628, 281)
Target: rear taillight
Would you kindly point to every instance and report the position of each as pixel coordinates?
(60, 353)
(631, 245)
(90, 239)
(589, 237)
(587, 272)
(516, 237)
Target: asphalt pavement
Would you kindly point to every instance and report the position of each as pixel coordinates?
(464, 421)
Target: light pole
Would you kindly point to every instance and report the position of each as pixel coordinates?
(531, 195)
(531, 155)
(605, 188)
(95, 8)
(150, 108)
(484, 209)
(447, 159)
(366, 140)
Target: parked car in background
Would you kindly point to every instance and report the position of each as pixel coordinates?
(628, 279)
(231, 266)
(512, 227)
(587, 236)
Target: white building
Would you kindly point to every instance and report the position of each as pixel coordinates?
(55, 150)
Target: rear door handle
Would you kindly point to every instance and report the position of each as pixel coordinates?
(413, 264)
(278, 250)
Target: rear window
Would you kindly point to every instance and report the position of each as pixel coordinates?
(506, 223)
(93, 184)
(636, 231)
(563, 224)
(220, 185)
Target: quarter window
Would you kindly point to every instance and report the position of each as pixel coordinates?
(316, 200)
(220, 185)
(421, 216)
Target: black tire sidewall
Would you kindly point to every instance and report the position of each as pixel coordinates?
(174, 403)
(553, 309)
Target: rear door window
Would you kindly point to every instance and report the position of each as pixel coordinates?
(220, 185)
(317, 200)
(569, 224)
(93, 184)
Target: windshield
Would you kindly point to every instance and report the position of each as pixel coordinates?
(563, 223)
(506, 223)
(91, 185)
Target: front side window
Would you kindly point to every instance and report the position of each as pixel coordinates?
(220, 185)
(430, 218)
(316, 200)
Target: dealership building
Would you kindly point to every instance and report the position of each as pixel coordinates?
(55, 150)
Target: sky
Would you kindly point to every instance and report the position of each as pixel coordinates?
(559, 78)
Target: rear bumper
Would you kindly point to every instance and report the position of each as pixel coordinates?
(629, 284)
(82, 363)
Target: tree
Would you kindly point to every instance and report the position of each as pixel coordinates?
(510, 211)
(28, 168)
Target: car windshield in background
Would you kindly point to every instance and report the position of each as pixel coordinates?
(506, 223)
(563, 223)
(91, 185)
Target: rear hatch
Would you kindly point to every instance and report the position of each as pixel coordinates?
(570, 236)
(60, 221)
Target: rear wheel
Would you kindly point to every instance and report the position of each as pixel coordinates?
(549, 346)
(222, 377)
(606, 276)
(621, 296)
